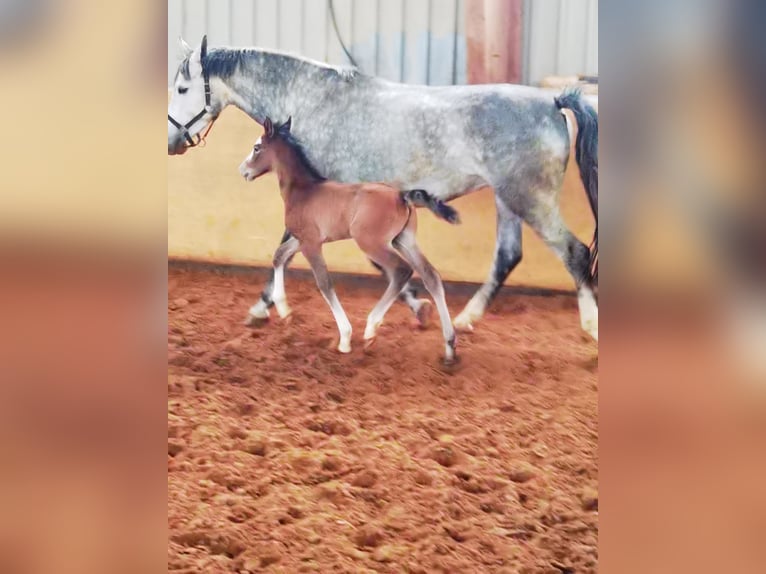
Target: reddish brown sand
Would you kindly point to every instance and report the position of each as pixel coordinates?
(285, 456)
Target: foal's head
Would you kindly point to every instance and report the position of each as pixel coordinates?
(264, 152)
(279, 150)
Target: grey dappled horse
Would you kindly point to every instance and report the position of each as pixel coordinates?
(448, 140)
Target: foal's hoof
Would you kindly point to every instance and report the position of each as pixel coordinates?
(254, 322)
(450, 362)
(463, 324)
(283, 309)
(424, 313)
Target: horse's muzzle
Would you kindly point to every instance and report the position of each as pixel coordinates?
(177, 148)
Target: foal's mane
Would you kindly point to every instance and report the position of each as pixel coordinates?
(295, 145)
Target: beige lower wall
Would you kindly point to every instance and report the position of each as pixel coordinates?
(215, 216)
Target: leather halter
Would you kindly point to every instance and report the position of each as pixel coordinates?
(184, 128)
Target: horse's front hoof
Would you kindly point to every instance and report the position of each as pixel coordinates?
(255, 322)
(344, 348)
(424, 313)
(450, 362)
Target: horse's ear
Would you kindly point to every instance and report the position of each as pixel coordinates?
(288, 124)
(199, 55)
(184, 49)
(268, 127)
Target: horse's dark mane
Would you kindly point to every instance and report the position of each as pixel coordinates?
(220, 62)
(295, 145)
(224, 62)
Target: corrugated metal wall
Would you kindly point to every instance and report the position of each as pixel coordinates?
(560, 38)
(413, 41)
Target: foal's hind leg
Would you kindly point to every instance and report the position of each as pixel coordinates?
(406, 245)
(507, 257)
(313, 253)
(398, 273)
(409, 295)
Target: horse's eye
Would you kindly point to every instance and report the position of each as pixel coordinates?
(257, 148)
(182, 90)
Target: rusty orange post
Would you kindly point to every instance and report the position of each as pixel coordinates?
(493, 30)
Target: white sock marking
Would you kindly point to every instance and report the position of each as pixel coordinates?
(588, 311)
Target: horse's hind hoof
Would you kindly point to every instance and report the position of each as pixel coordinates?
(424, 313)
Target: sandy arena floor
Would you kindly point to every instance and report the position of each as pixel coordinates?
(285, 456)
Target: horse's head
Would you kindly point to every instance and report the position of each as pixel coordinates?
(192, 106)
(261, 157)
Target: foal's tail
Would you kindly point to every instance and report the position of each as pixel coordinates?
(586, 153)
(421, 198)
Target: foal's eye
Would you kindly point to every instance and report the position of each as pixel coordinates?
(182, 90)
(257, 148)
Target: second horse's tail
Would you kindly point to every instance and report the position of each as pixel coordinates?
(421, 198)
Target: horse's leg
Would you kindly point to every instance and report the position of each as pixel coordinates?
(398, 273)
(284, 254)
(407, 246)
(409, 295)
(507, 256)
(541, 211)
(260, 311)
(313, 254)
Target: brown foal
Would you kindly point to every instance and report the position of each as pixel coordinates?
(380, 218)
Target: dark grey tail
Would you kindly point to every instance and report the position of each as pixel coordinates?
(421, 198)
(586, 153)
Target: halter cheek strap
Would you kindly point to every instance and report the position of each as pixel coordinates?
(184, 128)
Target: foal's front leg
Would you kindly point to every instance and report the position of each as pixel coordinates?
(284, 254)
(313, 253)
(260, 311)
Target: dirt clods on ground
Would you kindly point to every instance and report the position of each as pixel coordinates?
(286, 456)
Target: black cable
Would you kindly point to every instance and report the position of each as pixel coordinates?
(331, 8)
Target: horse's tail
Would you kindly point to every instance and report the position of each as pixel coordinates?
(421, 198)
(586, 153)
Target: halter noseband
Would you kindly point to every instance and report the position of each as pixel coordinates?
(184, 128)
